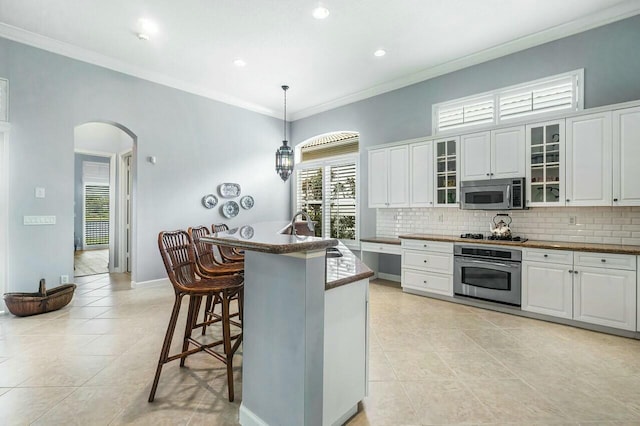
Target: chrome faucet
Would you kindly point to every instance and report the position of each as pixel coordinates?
(306, 217)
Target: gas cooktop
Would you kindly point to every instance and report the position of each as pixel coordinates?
(492, 238)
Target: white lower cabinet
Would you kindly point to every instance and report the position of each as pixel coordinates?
(427, 266)
(598, 288)
(605, 296)
(547, 288)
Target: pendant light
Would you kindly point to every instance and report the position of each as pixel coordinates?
(284, 155)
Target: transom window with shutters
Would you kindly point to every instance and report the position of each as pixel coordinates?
(327, 185)
(562, 92)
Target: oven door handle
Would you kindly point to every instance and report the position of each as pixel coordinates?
(508, 196)
(482, 262)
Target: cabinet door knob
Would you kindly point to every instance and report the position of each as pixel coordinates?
(425, 261)
(571, 271)
(615, 199)
(425, 246)
(425, 281)
(568, 200)
(575, 272)
(546, 255)
(487, 174)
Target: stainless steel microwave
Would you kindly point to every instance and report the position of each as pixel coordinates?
(494, 194)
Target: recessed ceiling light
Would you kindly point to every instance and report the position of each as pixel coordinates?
(239, 63)
(320, 12)
(146, 28)
(380, 52)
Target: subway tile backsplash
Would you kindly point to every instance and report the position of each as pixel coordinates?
(608, 225)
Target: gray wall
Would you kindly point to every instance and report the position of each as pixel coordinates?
(78, 192)
(608, 54)
(198, 143)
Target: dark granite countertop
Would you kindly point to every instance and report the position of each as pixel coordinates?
(552, 245)
(266, 237)
(346, 269)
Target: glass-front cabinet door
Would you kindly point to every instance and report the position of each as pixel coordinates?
(446, 171)
(545, 164)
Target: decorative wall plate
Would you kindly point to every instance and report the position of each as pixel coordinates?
(229, 190)
(230, 209)
(209, 201)
(246, 232)
(246, 202)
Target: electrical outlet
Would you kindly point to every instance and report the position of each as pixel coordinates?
(572, 220)
(64, 279)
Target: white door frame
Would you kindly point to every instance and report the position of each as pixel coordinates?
(4, 209)
(112, 195)
(125, 185)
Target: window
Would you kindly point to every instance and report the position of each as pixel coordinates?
(326, 185)
(561, 92)
(95, 181)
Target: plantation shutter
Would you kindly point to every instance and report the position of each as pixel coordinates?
(342, 196)
(96, 201)
(476, 111)
(309, 194)
(555, 95)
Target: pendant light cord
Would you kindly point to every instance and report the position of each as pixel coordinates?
(285, 112)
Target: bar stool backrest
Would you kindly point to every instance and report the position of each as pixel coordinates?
(176, 249)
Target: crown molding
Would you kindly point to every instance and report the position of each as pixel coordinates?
(71, 51)
(621, 11)
(607, 16)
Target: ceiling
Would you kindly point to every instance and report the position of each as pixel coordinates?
(327, 63)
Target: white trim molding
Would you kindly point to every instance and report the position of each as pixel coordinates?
(150, 283)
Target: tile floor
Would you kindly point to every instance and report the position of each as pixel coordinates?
(90, 262)
(432, 362)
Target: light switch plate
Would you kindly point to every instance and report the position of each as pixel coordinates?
(40, 192)
(39, 220)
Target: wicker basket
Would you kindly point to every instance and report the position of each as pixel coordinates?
(25, 304)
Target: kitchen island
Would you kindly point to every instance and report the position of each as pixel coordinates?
(305, 327)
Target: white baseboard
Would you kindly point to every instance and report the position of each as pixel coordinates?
(389, 277)
(150, 283)
(248, 418)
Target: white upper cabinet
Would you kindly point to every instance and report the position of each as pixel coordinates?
(626, 157)
(588, 165)
(475, 156)
(389, 177)
(493, 155)
(508, 153)
(446, 171)
(421, 171)
(545, 164)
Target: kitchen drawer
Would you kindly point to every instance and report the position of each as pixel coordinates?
(426, 281)
(605, 260)
(438, 246)
(552, 256)
(381, 248)
(433, 262)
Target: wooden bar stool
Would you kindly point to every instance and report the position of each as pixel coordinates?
(228, 254)
(208, 266)
(178, 255)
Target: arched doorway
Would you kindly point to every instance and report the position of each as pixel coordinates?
(103, 195)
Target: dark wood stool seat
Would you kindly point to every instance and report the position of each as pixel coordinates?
(178, 255)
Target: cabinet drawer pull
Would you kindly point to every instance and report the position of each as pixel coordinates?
(425, 246)
(603, 260)
(546, 255)
(425, 261)
(425, 281)
(571, 271)
(575, 272)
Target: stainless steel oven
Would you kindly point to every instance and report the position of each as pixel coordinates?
(487, 273)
